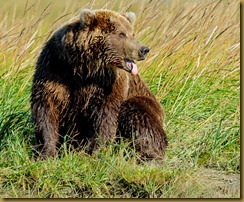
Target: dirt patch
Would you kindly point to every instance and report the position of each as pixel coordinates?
(218, 184)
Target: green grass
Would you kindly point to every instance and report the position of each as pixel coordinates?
(194, 70)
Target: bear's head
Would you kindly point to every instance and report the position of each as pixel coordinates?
(105, 39)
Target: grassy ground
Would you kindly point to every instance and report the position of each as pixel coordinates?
(194, 70)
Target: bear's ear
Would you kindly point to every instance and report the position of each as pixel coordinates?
(87, 16)
(131, 16)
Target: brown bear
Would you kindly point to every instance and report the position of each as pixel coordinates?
(86, 87)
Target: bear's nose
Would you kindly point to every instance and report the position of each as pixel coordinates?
(143, 51)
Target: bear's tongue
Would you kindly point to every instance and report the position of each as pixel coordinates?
(132, 67)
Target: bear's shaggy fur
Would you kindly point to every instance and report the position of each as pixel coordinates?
(86, 86)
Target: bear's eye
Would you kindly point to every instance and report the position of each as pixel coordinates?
(122, 34)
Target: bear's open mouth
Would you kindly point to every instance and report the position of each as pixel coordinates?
(132, 67)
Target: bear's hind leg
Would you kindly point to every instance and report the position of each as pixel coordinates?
(139, 120)
(46, 131)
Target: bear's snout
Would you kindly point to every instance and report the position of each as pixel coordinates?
(143, 51)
